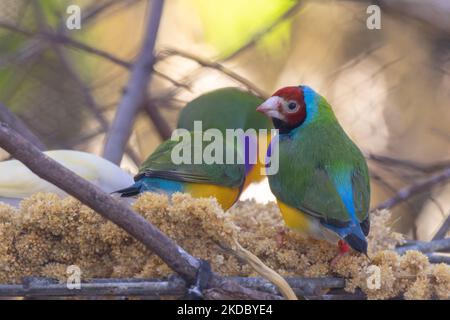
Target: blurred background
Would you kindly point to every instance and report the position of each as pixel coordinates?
(390, 87)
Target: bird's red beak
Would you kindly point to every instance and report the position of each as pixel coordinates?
(271, 107)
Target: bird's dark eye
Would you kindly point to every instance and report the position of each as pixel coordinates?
(292, 106)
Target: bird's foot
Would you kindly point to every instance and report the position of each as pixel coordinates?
(343, 249)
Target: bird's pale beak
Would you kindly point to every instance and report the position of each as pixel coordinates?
(270, 108)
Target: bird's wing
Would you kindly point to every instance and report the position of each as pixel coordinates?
(336, 197)
(160, 165)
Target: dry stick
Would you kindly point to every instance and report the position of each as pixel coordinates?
(174, 286)
(443, 230)
(217, 66)
(282, 285)
(136, 88)
(15, 122)
(412, 190)
(120, 214)
(438, 258)
(162, 127)
(426, 247)
(426, 168)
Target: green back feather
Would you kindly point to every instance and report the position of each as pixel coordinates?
(159, 164)
(226, 108)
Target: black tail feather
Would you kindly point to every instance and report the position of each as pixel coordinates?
(128, 192)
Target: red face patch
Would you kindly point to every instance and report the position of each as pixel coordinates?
(292, 94)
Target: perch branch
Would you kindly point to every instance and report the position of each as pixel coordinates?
(136, 89)
(438, 258)
(17, 124)
(412, 190)
(173, 286)
(426, 247)
(443, 230)
(137, 226)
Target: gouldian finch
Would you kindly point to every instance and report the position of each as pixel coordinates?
(229, 108)
(18, 182)
(322, 185)
(160, 174)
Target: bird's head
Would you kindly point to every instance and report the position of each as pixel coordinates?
(289, 107)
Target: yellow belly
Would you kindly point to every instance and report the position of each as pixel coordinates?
(294, 218)
(225, 196)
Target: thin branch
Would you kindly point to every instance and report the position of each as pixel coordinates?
(438, 258)
(173, 286)
(17, 124)
(408, 164)
(161, 125)
(119, 213)
(217, 66)
(65, 40)
(412, 190)
(443, 230)
(135, 93)
(426, 247)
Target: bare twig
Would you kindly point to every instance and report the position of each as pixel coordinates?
(136, 89)
(161, 125)
(426, 247)
(408, 164)
(65, 40)
(438, 258)
(137, 226)
(15, 122)
(173, 286)
(217, 66)
(412, 190)
(443, 230)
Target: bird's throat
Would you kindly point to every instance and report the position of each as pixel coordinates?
(284, 127)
